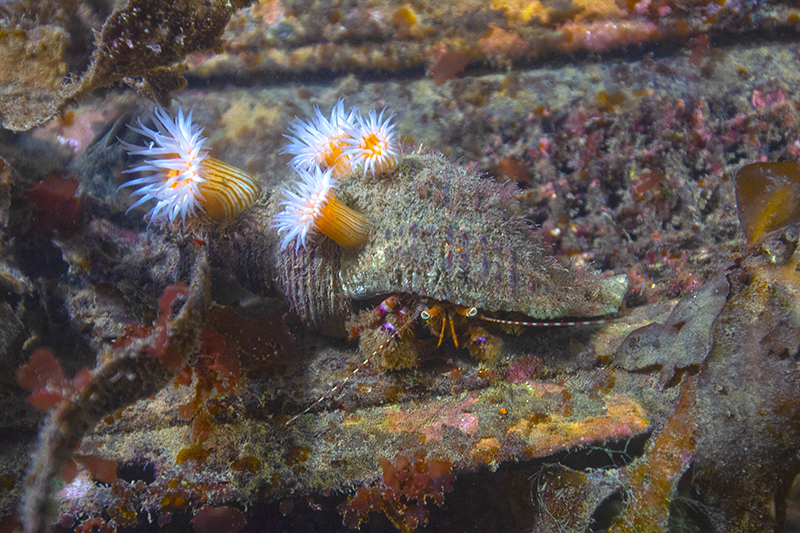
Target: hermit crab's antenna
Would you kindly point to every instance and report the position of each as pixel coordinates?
(364, 363)
(547, 324)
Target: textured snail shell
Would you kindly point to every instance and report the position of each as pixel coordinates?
(437, 231)
(440, 231)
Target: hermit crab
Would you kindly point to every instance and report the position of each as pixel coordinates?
(442, 250)
(406, 243)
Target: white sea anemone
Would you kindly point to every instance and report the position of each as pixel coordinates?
(320, 141)
(373, 143)
(172, 166)
(310, 205)
(180, 175)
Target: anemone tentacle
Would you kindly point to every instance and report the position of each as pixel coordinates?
(180, 175)
(373, 143)
(319, 142)
(173, 160)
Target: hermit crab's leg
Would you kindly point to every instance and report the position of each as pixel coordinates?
(396, 333)
(429, 314)
(387, 306)
(452, 329)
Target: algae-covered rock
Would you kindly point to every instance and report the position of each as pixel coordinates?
(141, 40)
(33, 65)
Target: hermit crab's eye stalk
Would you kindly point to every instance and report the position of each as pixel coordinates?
(310, 205)
(182, 178)
(374, 144)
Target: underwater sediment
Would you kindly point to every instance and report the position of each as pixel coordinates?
(620, 159)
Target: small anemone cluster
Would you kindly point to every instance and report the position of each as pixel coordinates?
(186, 182)
(342, 142)
(324, 149)
(181, 176)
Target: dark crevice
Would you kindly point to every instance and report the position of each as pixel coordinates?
(609, 455)
(606, 512)
(677, 377)
(40, 258)
(649, 369)
(686, 512)
(137, 471)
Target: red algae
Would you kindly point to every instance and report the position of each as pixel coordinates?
(103, 470)
(166, 355)
(93, 525)
(246, 464)
(405, 491)
(215, 369)
(55, 207)
(298, 454)
(10, 524)
(446, 64)
(648, 180)
(195, 453)
(44, 378)
(224, 519)
(217, 366)
(6, 482)
(514, 168)
(42, 369)
(286, 506)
